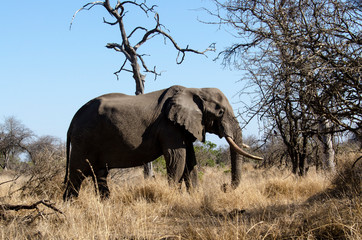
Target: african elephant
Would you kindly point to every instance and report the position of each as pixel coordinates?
(120, 131)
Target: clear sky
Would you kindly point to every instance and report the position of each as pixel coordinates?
(47, 72)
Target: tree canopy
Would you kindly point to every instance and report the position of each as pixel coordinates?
(304, 62)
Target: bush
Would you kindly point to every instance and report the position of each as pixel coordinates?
(45, 176)
(207, 154)
(160, 165)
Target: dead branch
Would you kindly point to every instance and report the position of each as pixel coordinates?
(46, 203)
(356, 161)
(118, 12)
(157, 30)
(147, 70)
(87, 6)
(11, 180)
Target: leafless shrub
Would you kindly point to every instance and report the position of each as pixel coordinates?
(45, 175)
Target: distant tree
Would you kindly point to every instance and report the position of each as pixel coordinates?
(43, 148)
(130, 50)
(14, 137)
(304, 60)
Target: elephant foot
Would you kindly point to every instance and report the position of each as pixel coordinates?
(70, 193)
(104, 193)
(226, 188)
(102, 188)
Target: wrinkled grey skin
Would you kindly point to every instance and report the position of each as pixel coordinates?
(121, 131)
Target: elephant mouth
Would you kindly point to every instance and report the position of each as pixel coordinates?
(215, 127)
(237, 149)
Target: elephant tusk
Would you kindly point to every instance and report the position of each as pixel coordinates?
(239, 150)
(245, 145)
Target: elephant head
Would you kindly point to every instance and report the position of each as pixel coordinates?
(208, 110)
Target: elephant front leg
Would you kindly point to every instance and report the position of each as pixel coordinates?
(190, 172)
(175, 164)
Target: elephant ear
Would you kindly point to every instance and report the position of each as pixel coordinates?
(185, 109)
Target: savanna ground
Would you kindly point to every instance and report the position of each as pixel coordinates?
(269, 204)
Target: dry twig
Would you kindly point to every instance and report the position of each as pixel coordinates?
(31, 206)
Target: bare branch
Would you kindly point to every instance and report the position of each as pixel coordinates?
(11, 180)
(182, 51)
(114, 46)
(31, 206)
(142, 6)
(122, 69)
(148, 33)
(134, 30)
(119, 48)
(112, 24)
(87, 6)
(154, 72)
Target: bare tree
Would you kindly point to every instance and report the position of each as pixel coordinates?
(13, 139)
(45, 148)
(304, 59)
(129, 50)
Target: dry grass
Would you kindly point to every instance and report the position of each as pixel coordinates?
(269, 204)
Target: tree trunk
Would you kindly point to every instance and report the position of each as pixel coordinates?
(326, 139)
(302, 166)
(148, 170)
(6, 162)
(140, 86)
(138, 77)
(295, 164)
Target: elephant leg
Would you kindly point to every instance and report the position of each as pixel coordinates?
(173, 142)
(190, 172)
(73, 184)
(102, 186)
(79, 169)
(175, 164)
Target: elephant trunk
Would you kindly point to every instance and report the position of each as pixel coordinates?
(236, 154)
(236, 161)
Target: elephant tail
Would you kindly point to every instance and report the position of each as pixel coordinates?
(68, 157)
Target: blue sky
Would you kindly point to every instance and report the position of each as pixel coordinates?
(47, 72)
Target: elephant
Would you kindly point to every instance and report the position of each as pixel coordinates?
(121, 131)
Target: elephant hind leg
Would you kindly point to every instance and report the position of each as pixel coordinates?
(73, 184)
(101, 183)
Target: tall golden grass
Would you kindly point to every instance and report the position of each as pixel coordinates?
(269, 204)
